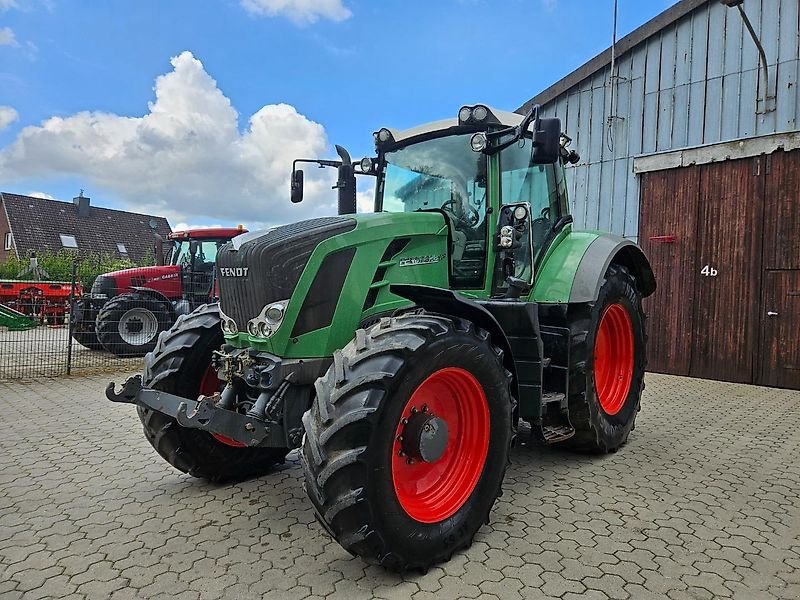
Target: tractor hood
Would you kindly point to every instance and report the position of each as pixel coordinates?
(165, 279)
(322, 273)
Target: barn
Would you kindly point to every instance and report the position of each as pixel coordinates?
(688, 134)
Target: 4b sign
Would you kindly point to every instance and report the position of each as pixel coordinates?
(709, 271)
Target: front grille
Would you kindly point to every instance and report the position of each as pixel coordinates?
(274, 261)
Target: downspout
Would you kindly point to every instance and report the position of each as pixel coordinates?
(763, 67)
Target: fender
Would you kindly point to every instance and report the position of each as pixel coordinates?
(156, 295)
(574, 270)
(450, 303)
(606, 249)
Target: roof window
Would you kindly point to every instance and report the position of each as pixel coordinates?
(121, 247)
(68, 241)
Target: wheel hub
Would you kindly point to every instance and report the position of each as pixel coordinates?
(424, 436)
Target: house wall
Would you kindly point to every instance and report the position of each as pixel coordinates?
(4, 228)
(695, 82)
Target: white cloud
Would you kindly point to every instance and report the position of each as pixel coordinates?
(7, 37)
(7, 4)
(302, 12)
(186, 157)
(7, 116)
(40, 195)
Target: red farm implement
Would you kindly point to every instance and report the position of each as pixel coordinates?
(25, 304)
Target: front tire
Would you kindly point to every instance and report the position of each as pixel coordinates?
(181, 364)
(608, 361)
(408, 439)
(128, 325)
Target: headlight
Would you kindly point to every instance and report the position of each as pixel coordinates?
(366, 165)
(384, 135)
(464, 114)
(520, 213)
(478, 142)
(229, 326)
(264, 330)
(252, 328)
(275, 313)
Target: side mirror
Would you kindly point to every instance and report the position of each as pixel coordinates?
(546, 141)
(297, 186)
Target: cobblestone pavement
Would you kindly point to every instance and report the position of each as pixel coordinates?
(702, 503)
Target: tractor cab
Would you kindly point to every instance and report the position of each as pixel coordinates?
(195, 253)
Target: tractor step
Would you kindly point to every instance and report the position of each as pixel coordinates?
(549, 397)
(556, 433)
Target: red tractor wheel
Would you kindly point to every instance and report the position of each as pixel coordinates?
(407, 440)
(607, 357)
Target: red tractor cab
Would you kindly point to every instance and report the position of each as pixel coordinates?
(126, 310)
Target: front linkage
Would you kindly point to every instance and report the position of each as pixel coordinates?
(246, 398)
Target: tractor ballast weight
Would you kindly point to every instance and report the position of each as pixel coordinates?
(399, 349)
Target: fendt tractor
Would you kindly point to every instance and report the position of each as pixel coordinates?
(400, 349)
(126, 310)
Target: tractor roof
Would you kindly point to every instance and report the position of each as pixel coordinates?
(208, 233)
(507, 119)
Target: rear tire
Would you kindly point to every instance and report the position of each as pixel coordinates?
(83, 332)
(128, 325)
(608, 361)
(179, 365)
(365, 493)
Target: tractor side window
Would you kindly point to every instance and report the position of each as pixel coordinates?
(445, 175)
(208, 252)
(523, 181)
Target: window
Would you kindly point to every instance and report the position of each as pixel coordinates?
(523, 181)
(68, 241)
(445, 175)
(122, 249)
(9, 244)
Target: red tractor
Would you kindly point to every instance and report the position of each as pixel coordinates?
(126, 310)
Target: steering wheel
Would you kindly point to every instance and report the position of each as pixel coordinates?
(471, 219)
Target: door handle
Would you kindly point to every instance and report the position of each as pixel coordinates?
(772, 313)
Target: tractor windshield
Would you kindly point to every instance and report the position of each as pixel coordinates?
(181, 253)
(443, 174)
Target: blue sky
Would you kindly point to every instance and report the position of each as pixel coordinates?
(195, 109)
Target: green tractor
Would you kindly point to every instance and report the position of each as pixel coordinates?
(400, 349)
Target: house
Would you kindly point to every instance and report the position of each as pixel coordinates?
(30, 224)
(689, 140)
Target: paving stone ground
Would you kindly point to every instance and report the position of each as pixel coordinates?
(702, 503)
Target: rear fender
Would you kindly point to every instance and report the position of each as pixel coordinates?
(607, 249)
(575, 270)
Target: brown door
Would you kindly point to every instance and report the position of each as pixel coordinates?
(779, 354)
(780, 351)
(667, 231)
(727, 270)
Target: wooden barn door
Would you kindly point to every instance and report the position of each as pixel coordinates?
(727, 270)
(667, 230)
(780, 308)
(701, 228)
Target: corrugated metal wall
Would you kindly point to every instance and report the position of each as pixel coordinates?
(694, 82)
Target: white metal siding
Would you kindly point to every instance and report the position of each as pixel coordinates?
(692, 83)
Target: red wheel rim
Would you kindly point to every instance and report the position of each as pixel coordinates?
(613, 358)
(208, 386)
(430, 492)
